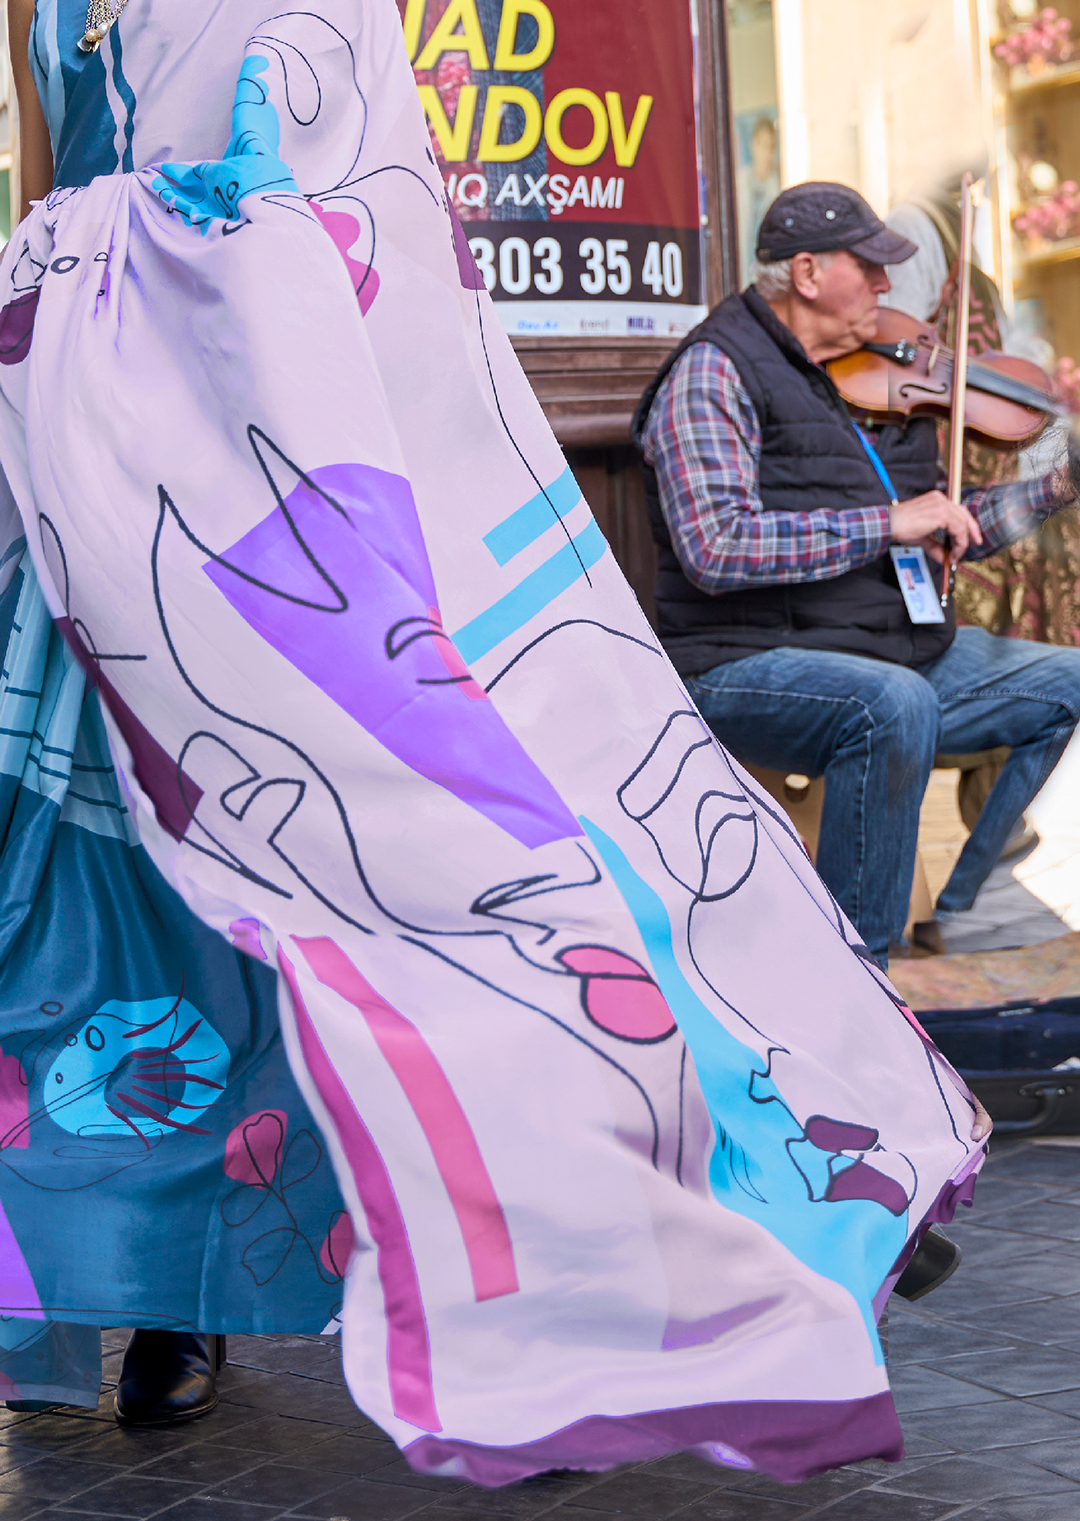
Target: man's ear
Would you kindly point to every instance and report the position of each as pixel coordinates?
(806, 276)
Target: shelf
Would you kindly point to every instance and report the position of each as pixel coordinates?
(1052, 253)
(1055, 77)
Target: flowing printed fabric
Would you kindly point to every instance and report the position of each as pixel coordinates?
(158, 1165)
(633, 1135)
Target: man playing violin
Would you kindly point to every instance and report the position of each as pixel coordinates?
(777, 595)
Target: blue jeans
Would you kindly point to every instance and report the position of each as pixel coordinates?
(872, 730)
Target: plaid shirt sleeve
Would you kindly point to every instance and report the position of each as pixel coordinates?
(704, 441)
(1007, 512)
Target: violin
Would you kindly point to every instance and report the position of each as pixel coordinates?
(907, 372)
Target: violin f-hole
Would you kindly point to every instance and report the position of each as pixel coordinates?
(915, 389)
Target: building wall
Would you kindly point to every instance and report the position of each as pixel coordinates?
(879, 94)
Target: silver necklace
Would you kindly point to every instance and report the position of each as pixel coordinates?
(100, 16)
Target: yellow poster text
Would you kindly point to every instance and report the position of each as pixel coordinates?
(458, 30)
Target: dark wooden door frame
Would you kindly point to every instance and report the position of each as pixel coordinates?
(717, 151)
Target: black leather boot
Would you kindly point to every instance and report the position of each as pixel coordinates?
(934, 1260)
(167, 1377)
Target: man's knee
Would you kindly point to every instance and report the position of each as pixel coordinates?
(902, 709)
(1057, 679)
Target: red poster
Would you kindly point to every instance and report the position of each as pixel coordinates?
(566, 135)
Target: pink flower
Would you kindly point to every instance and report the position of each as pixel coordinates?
(338, 1246)
(1044, 40)
(253, 1149)
(1050, 220)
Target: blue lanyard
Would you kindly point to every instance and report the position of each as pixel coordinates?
(875, 460)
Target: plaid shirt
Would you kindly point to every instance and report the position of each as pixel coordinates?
(703, 439)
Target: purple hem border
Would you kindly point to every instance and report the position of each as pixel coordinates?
(940, 1213)
(789, 1440)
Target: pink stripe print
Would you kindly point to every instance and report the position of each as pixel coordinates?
(408, 1351)
(442, 1119)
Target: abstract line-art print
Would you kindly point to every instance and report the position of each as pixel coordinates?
(631, 1135)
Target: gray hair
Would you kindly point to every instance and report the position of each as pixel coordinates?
(773, 280)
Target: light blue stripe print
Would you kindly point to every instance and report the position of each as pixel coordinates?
(533, 594)
(525, 526)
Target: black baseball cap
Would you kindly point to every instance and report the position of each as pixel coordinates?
(817, 217)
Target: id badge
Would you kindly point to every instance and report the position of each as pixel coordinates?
(916, 584)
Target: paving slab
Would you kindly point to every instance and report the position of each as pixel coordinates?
(21, 1508)
(986, 1246)
(201, 1508)
(723, 1505)
(1046, 1321)
(880, 1505)
(129, 1494)
(272, 1434)
(204, 1463)
(1058, 1218)
(354, 1456)
(963, 1479)
(918, 1387)
(1033, 1508)
(53, 1479)
(317, 1357)
(976, 1427)
(918, 1338)
(365, 1501)
(1021, 1370)
(130, 1447)
(637, 1493)
(281, 1485)
(1062, 1456)
(1035, 1164)
(981, 1290)
(1045, 1268)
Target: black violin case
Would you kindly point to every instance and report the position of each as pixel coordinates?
(1021, 1059)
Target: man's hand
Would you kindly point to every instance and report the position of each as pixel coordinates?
(916, 522)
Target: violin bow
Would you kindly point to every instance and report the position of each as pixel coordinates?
(960, 369)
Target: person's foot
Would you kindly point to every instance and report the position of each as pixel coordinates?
(31, 1407)
(933, 1262)
(166, 1377)
(928, 938)
(931, 937)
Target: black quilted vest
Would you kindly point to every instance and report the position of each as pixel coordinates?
(811, 458)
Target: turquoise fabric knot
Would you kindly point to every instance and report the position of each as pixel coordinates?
(250, 164)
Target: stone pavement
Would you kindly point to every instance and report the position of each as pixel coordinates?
(986, 1374)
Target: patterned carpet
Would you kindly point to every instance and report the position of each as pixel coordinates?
(1050, 970)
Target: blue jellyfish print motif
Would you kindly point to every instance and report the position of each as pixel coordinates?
(148, 1068)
